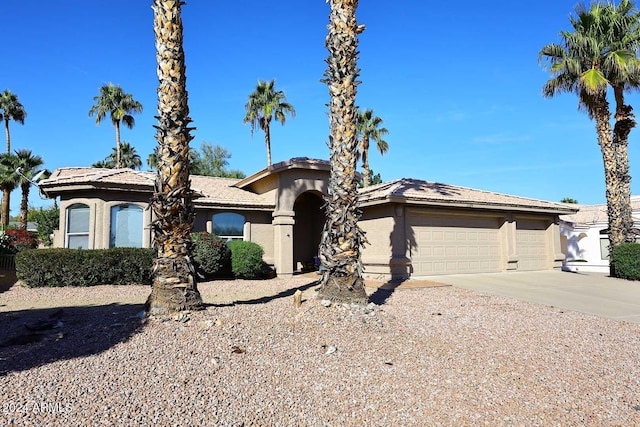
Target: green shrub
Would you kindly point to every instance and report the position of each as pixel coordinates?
(626, 259)
(246, 259)
(211, 255)
(82, 267)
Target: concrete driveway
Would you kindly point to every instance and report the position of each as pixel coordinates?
(589, 293)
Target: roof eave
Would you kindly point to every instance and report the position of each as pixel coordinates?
(467, 205)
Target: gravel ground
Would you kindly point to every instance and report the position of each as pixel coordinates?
(432, 356)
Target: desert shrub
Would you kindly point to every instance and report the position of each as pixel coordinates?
(211, 255)
(626, 259)
(246, 259)
(82, 267)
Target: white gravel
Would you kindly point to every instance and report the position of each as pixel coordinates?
(432, 356)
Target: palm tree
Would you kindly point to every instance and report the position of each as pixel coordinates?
(342, 241)
(27, 163)
(129, 158)
(623, 72)
(369, 129)
(120, 106)
(264, 104)
(10, 109)
(174, 286)
(589, 60)
(8, 182)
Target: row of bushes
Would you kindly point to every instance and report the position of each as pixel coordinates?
(213, 258)
(79, 267)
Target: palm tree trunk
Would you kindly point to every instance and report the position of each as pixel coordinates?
(267, 141)
(24, 204)
(174, 286)
(612, 185)
(624, 124)
(366, 173)
(340, 249)
(5, 207)
(7, 134)
(117, 125)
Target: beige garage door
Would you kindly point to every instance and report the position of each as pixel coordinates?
(531, 245)
(449, 245)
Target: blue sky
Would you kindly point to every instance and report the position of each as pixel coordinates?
(458, 88)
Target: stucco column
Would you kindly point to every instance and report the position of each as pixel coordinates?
(283, 222)
(509, 243)
(553, 236)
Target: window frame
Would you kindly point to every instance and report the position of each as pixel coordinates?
(112, 236)
(228, 236)
(70, 234)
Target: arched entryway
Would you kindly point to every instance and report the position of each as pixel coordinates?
(307, 231)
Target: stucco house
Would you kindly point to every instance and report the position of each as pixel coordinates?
(584, 236)
(415, 228)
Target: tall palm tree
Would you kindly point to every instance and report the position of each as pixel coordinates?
(265, 104)
(10, 109)
(342, 241)
(120, 106)
(8, 183)
(369, 129)
(587, 62)
(622, 31)
(28, 164)
(174, 286)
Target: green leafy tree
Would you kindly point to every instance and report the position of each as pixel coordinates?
(174, 286)
(265, 104)
(120, 106)
(375, 179)
(342, 238)
(369, 130)
(213, 161)
(599, 54)
(569, 200)
(47, 220)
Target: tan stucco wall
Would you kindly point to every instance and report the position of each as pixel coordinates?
(386, 254)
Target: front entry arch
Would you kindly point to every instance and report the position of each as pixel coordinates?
(307, 231)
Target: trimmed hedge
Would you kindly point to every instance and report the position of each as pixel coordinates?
(626, 259)
(211, 255)
(246, 259)
(84, 267)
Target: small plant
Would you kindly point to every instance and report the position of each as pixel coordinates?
(211, 255)
(246, 259)
(626, 259)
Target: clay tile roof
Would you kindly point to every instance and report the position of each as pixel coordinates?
(592, 214)
(434, 193)
(210, 191)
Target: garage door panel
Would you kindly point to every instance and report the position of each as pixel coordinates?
(455, 245)
(531, 245)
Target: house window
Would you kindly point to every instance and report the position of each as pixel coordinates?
(604, 248)
(228, 226)
(604, 244)
(78, 226)
(126, 227)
